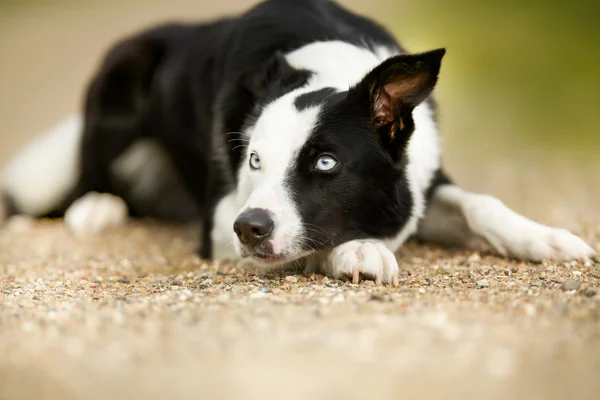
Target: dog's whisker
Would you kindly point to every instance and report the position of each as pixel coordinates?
(238, 133)
(239, 146)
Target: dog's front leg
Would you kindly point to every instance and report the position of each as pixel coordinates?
(458, 217)
(222, 234)
(366, 259)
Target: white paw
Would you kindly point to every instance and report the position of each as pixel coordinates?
(514, 235)
(537, 244)
(370, 259)
(95, 212)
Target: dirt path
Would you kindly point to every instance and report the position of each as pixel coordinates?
(131, 314)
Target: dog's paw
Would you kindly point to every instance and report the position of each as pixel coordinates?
(513, 235)
(537, 243)
(95, 212)
(568, 246)
(369, 259)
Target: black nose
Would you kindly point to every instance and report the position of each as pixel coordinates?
(253, 226)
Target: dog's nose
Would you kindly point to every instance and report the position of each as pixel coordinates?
(253, 226)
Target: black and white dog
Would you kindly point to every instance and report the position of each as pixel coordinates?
(296, 132)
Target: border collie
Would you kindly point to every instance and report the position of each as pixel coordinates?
(297, 132)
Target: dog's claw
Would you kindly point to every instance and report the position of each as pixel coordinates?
(367, 258)
(378, 279)
(355, 275)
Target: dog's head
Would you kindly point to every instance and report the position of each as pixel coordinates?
(325, 167)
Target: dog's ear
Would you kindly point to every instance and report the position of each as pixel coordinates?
(392, 90)
(273, 77)
(124, 82)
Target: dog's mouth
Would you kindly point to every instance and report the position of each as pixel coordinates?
(269, 259)
(274, 259)
(265, 254)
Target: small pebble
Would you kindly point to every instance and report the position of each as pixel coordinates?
(483, 283)
(589, 292)
(475, 258)
(376, 297)
(571, 285)
(291, 279)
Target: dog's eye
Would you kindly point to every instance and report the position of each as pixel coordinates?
(254, 161)
(326, 163)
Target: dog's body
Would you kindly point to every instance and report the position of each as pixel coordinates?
(297, 131)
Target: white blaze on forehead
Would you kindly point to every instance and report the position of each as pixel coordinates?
(336, 63)
(279, 134)
(277, 137)
(281, 130)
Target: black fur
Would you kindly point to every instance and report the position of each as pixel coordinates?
(311, 99)
(440, 178)
(195, 87)
(362, 197)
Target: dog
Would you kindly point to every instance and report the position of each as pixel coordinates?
(297, 133)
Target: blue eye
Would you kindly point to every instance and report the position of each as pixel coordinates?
(254, 161)
(326, 163)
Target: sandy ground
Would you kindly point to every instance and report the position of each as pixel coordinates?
(132, 313)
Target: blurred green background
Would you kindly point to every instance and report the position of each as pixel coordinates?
(519, 83)
(520, 78)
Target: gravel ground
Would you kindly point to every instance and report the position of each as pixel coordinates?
(130, 313)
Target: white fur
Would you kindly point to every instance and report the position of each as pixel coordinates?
(462, 217)
(368, 258)
(335, 64)
(41, 175)
(95, 212)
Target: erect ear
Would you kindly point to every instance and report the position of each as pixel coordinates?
(393, 89)
(273, 77)
(124, 82)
